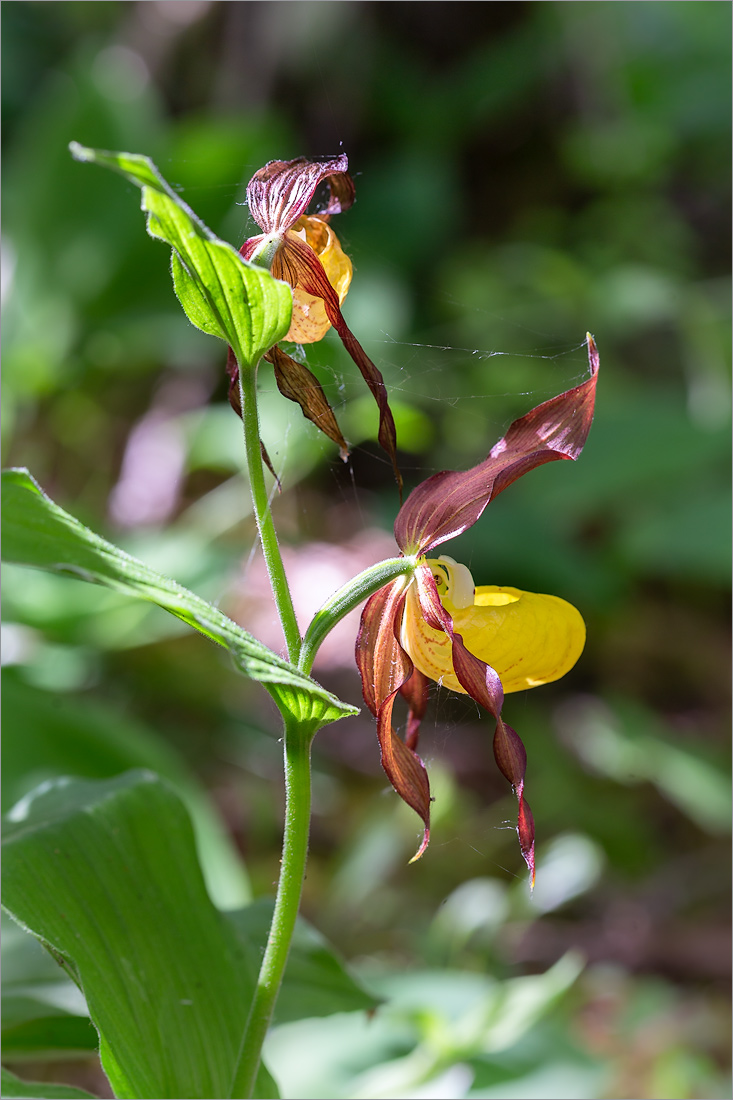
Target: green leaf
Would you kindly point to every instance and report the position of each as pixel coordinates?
(44, 1016)
(316, 981)
(46, 736)
(12, 1086)
(32, 1031)
(38, 533)
(221, 293)
(106, 875)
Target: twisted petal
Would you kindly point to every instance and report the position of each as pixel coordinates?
(280, 192)
(511, 759)
(450, 502)
(385, 669)
(479, 680)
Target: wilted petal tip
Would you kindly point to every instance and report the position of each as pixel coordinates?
(425, 841)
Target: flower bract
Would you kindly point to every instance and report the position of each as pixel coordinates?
(484, 642)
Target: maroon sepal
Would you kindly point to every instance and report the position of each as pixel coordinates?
(448, 503)
(385, 668)
(248, 248)
(296, 382)
(279, 193)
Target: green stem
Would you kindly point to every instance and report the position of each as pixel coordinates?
(263, 515)
(298, 740)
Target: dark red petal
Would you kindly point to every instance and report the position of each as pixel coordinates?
(385, 668)
(450, 502)
(307, 272)
(280, 192)
(299, 384)
(415, 691)
(511, 758)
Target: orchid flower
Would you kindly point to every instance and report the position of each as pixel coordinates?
(303, 250)
(433, 624)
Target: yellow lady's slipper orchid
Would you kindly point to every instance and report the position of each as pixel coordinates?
(303, 250)
(433, 624)
(527, 639)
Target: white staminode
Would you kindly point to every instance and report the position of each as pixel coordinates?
(460, 583)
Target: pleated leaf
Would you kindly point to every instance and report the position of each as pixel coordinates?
(106, 875)
(221, 293)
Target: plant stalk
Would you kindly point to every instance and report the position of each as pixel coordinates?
(297, 740)
(346, 599)
(263, 515)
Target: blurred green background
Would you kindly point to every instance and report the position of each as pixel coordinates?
(525, 172)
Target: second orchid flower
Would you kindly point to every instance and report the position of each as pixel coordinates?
(303, 250)
(432, 624)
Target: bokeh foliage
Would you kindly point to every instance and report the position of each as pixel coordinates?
(525, 172)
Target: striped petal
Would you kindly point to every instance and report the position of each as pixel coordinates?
(279, 193)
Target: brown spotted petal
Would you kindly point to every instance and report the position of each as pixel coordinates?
(306, 271)
(280, 192)
(450, 502)
(482, 683)
(385, 668)
(299, 384)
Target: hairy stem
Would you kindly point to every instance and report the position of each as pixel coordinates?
(263, 515)
(292, 873)
(346, 599)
